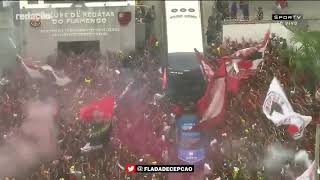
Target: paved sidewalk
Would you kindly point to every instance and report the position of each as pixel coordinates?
(309, 9)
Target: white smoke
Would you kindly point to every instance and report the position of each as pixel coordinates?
(277, 156)
(303, 157)
(34, 141)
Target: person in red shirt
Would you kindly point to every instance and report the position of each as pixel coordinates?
(282, 3)
(152, 40)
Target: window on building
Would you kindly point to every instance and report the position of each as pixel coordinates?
(33, 1)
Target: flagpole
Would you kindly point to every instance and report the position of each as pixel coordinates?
(317, 151)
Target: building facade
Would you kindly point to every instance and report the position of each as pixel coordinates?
(8, 36)
(45, 28)
(309, 10)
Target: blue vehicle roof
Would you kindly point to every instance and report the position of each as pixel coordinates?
(190, 147)
(186, 118)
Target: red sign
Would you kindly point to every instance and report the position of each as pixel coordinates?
(124, 18)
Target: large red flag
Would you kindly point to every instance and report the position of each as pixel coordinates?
(104, 106)
(211, 107)
(244, 67)
(238, 70)
(206, 68)
(164, 78)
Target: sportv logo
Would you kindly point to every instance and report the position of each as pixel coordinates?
(287, 17)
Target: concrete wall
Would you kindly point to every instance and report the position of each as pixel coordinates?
(314, 25)
(255, 32)
(158, 22)
(206, 7)
(140, 35)
(206, 12)
(8, 38)
(39, 42)
(309, 9)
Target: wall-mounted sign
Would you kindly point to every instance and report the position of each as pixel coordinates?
(76, 22)
(124, 18)
(88, 16)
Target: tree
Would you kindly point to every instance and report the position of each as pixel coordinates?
(304, 59)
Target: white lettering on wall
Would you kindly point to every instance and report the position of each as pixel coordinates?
(70, 17)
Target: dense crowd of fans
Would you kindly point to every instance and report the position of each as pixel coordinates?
(238, 146)
(246, 124)
(230, 46)
(109, 74)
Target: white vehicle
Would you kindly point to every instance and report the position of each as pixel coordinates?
(183, 30)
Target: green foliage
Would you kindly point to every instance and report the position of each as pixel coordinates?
(304, 59)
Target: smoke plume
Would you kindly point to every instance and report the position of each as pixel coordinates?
(277, 156)
(303, 157)
(34, 141)
(133, 127)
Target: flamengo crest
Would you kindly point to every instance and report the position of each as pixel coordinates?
(35, 22)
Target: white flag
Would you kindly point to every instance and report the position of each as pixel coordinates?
(245, 52)
(61, 79)
(32, 70)
(300, 122)
(309, 173)
(235, 65)
(278, 109)
(276, 105)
